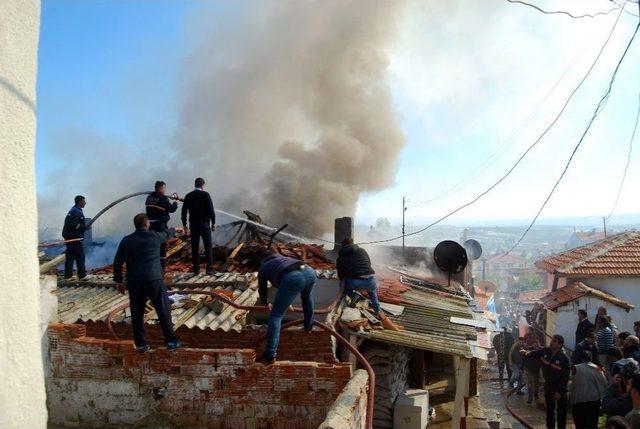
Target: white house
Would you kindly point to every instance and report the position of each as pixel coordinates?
(563, 304)
(610, 265)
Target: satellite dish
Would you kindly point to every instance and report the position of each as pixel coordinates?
(450, 257)
(473, 248)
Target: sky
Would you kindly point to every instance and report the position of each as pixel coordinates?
(465, 78)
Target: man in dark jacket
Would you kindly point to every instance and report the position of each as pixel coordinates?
(586, 345)
(140, 252)
(292, 278)
(73, 229)
(584, 327)
(555, 369)
(502, 343)
(355, 271)
(616, 400)
(631, 348)
(202, 220)
(158, 208)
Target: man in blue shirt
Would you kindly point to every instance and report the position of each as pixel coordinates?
(73, 229)
(291, 277)
(140, 252)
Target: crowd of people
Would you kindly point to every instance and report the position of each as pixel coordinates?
(599, 380)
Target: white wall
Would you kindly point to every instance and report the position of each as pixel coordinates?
(22, 392)
(566, 317)
(627, 289)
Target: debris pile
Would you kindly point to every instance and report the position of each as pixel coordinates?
(244, 258)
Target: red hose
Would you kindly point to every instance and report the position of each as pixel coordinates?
(515, 415)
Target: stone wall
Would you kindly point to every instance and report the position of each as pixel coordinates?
(98, 382)
(350, 408)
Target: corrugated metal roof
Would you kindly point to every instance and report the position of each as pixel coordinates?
(93, 300)
(427, 324)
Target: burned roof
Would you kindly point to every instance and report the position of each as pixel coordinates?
(617, 255)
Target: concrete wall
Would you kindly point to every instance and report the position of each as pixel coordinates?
(350, 408)
(22, 396)
(566, 317)
(102, 383)
(626, 288)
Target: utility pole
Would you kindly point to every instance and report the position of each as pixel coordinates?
(404, 209)
(604, 222)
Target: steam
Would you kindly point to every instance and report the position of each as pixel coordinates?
(292, 113)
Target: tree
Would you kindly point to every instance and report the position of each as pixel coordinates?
(528, 281)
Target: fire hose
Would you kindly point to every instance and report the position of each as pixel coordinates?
(325, 310)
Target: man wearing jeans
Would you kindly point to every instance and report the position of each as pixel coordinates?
(291, 277)
(354, 269)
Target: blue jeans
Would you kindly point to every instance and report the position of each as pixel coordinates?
(516, 377)
(370, 285)
(293, 283)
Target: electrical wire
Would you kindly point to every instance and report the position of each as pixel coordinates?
(522, 156)
(562, 12)
(509, 142)
(596, 112)
(626, 167)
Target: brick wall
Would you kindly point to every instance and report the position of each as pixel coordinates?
(350, 408)
(294, 343)
(104, 383)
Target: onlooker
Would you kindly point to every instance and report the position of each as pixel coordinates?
(633, 388)
(631, 348)
(616, 401)
(617, 422)
(531, 339)
(556, 368)
(502, 343)
(588, 344)
(598, 320)
(621, 337)
(532, 366)
(584, 326)
(605, 340)
(636, 328)
(515, 360)
(587, 389)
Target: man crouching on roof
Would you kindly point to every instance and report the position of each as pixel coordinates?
(291, 277)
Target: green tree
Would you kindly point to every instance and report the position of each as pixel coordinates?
(528, 281)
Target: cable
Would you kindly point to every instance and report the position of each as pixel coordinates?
(508, 143)
(501, 179)
(626, 167)
(597, 111)
(564, 12)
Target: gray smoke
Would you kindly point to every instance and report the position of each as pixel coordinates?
(290, 112)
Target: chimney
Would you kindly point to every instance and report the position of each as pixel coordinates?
(343, 228)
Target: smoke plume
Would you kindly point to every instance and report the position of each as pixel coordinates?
(290, 112)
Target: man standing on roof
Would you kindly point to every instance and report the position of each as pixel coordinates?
(140, 252)
(292, 278)
(555, 368)
(158, 208)
(73, 229)
(202, 220)
(355, 271)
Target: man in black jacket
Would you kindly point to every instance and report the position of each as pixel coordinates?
(158, 208)
(140, 252)
(556, 369)
(588, 344)
(354, 269)
(202, 220)
(502, 343)
(584, 327)
(73, 229)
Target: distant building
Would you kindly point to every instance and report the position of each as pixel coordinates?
(500, 263)
(580, 238)
(610, 266)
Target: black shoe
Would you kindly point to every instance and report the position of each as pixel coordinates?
(173, 346)
(266, 359)
(142, 349)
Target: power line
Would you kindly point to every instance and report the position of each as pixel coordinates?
(562, 12)
(509, 142)
(597, 111)
(626, 167)
(513, 167)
